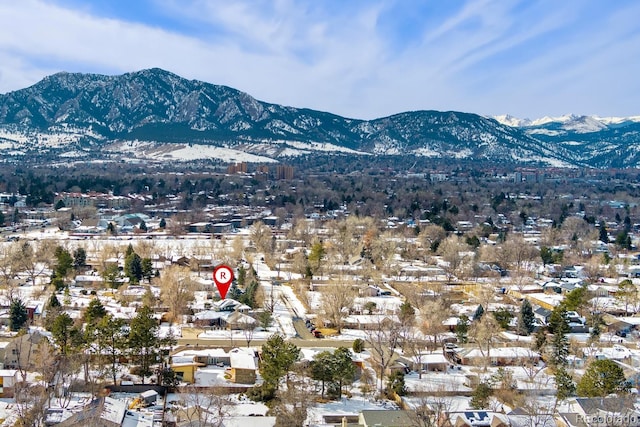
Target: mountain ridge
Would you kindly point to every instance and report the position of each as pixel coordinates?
(84, 113)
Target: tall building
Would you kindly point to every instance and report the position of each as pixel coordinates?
(284, 172)
(237, 168)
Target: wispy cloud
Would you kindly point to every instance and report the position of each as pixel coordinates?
(358, 58)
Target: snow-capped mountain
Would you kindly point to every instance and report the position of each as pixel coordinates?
(154, 114)
(597, 141)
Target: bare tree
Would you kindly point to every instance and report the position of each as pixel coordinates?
(383, 250)
(431, 236)
(451, 250)
(202, 408)
(248, 329)
(262, 237)
(413, 344)
(292, 403)
(432, 410)
(176, 290)
(484, 333)
(519, 257)
(337, 300)
(31, 404)
(382, 341)
(343, 243)
(433, 313)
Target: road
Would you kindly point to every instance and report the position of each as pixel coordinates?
(241, 342)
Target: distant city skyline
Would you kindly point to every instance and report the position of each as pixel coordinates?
(358, 58)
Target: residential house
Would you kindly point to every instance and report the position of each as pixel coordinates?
(238, 320)
(371, 418)
(21, 353)
(243, 368)
(542, 314)
(8, 379)
(185, 367)
(601, 412)
(500, 356)
(103, 412)
(478, 419)
(433, 362)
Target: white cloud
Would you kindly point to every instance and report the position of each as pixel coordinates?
(487, 57)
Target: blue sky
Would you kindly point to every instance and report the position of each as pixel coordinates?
(357, 58)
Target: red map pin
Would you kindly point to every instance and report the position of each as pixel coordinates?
(222, 277)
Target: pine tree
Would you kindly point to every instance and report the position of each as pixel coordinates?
(526, 318)
(79, 258)
(64, 334)
(64, 262)
(564, 384)
(17, 315)
(277, 357)
(601, 378)
(94, 311)
(53, 301)
(480, 396)
(604, 234)
(479, 312)
(133, 267)
(144, 341)
(462, 329)
(559, 327)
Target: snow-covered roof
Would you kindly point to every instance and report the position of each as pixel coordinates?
(242, 361)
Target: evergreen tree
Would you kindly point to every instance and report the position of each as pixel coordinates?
(540, 341)
(462, 329)
(407, 314)
(53, 302)
(133, 267)
(277, 357)
(564, 384)
(58, 283)
(559, 327)
(162, 224)
(65, 335)
(242, 276)
(576, 299)
(601, 378)
(480, 396)
(396, 384)
(604, 234)
(526, 318)
(1, 218)
(321, 370)
(64, 262)
(94, 311)
(478, 313)
(18, 316)
(358, 345)
(143, 341)
(110, 274)
(503, 316)
(112, 343)
(147, 268)
(623, 240)
(316, 256)
(79, 258)
(111, 229)
(344, 371)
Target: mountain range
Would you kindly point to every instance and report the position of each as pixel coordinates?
(156, 115)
